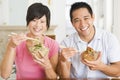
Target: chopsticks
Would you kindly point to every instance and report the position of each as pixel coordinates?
(29, 38)
(32, 39)
(61, 46)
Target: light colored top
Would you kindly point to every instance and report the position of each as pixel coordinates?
(26, 67)
(102, 41)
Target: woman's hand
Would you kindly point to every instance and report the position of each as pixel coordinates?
(43, 60)
(16, 39)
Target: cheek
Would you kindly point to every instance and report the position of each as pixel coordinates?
(31, 25)
(45, 29)
(89, 22)
(75, 25)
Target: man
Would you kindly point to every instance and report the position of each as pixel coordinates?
(87, 35)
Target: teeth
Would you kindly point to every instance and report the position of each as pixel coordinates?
(37, 30)
(84, 28)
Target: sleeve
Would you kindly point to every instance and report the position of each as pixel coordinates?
(113, 50)
(54, 47)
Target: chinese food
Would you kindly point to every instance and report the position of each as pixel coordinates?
(39, 49)
(90, 54)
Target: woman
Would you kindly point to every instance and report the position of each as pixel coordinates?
(28, 65)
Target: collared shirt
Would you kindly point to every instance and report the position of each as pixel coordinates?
(103, 41)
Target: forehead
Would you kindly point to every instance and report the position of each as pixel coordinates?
(42, 18)
(81, 12)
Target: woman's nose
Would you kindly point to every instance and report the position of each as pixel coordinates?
(38, 24)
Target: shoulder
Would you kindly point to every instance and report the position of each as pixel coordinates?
(50, 42)
(109, 35)
(52, 45)
(69, 39)
(105, 34)
(108, 38)
(48, 39)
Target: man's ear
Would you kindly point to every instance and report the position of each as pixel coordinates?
(93, 16)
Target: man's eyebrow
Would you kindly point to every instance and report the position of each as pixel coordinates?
(87, 16)
(76, 19)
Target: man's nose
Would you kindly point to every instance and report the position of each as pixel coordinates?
(82, 23)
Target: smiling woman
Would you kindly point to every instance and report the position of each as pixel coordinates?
(22, 50)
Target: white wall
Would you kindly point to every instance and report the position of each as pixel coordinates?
(4, 11)
(116, 15)
(59, 19)
(14, 13)
(17, 12)
(108, 15)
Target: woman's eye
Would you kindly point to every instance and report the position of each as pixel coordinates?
(42, 21)
(34, 20)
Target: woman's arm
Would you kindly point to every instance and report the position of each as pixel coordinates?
(51, 70)
(10, 53)
(7, 62)
(49, 65)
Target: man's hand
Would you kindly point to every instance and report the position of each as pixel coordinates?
(94, 65)
(66, 53)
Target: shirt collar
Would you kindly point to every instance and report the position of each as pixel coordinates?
(98, 33)
(97, 36)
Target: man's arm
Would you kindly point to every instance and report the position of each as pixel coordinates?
(112, 70)
(63, 68)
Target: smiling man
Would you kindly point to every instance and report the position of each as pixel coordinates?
(104, 43)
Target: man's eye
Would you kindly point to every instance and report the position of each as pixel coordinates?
(86, 18)
(76, 21)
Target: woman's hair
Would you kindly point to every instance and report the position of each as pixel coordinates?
(38, 10)
(78, 5)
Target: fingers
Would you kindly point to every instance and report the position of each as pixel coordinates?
(99, 56)
(94, 65)
(16, 39)
(44, 62)
(66, 53)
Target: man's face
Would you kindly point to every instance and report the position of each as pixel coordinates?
(83, 22)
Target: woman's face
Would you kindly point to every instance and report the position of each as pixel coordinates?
(38, 26)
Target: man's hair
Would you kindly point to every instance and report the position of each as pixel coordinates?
(38, 10)
(78, 5)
